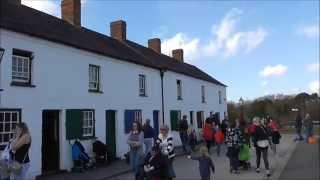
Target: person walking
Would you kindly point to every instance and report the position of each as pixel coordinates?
(183, 132)
(20, 146)
(224, 126)
(207, 133)
(165, 142)
(276, 136)
(261, 142)
(233, 140)
(148, 133)
(219, 137)
(135, 142)
(308, 125)
(205, 163)
(298, 126)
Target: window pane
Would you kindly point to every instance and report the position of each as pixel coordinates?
(14, 117)
(6, 137)
(1, 127)
(1, 117)
(7, 117)
(7, 127)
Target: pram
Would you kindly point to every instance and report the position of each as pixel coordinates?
(81, 160)
(244, 157)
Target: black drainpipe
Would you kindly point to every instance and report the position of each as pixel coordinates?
(162, 96)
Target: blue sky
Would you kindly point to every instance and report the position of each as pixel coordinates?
(255, 47)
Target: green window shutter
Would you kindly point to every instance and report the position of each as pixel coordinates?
(74, 124)
(174, 120)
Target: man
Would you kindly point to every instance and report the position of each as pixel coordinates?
(298, 127)
(183, 132)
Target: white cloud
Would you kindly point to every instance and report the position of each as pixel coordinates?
(277, 70)
(226, 41)
(311, 31)
(314, 87)
(190, 46)
(264, 83)
(314, 67)
(48, 6)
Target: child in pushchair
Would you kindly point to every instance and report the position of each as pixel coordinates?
(81, 160)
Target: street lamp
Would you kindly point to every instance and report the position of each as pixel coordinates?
(1, 53)
(241, 102)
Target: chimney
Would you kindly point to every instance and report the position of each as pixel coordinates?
(71, 11)
(178, 54)
(15, 2)
(118, 30)
(155, 44)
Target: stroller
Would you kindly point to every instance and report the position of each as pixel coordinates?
(81, 160)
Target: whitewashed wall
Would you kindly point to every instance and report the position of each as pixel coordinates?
(60, 74)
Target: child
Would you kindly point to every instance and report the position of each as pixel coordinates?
(155, 165)
(205, 163)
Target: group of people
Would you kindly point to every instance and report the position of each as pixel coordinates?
(305, 124)
(262, 133)
(15, 160)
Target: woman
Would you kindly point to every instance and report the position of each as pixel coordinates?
(308, 125)
(135, 142)
(274, 127)
(208, 133)
(20, 150)
(261, 141)
(233, 140)
(148, 136)
(165, 142)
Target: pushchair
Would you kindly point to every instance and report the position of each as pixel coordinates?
(244, 157)
(100, 152)
(81, 160)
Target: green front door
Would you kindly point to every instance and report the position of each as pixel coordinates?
(111, 134)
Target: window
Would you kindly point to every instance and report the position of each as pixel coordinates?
(220, 100)
(21, 67)
(94, 78)
(179, 89)
(200, 119)
(175, 117)
(131, 116)
(80, 124)
(203, 94)
(142, 85)
(8, 121)
(87, 124)
(191, 117)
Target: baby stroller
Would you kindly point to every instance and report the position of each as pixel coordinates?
(100, 151)
(81, 160)
(244, 157)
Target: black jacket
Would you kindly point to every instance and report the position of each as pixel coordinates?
(261, 133)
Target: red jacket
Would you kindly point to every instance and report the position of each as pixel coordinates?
(219, 137)
(207, 132)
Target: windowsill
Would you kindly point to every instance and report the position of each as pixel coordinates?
(204, 102)
(87, 137)
(179, 99)
(95, 91)
(22, 84)
(143, 95)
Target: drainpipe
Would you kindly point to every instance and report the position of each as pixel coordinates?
(1, 55)
(162, 71)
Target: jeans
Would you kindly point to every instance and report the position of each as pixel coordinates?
(135, 160)
(264, 152)
(171, 173)
(185, 142)
(299, 136)
(23, 173)
(148, 143)
(218, 148)
(208, 144)
(234, 157)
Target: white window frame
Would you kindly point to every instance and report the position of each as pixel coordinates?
(142, 85)
(11, 122)
(23, 75)
(137, 116)
(203, 94)
(179, 89)
(94, 77)
(88, 123)
(220, 97)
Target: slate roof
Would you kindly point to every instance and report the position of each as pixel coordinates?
(29, 21)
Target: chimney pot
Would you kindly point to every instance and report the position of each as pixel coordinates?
(155, 44)
(178, 54)
(71, 11)
(118, 30)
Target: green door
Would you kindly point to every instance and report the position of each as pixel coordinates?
(111, 134)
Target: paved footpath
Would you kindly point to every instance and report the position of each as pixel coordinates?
(303, 164)
(188, 170)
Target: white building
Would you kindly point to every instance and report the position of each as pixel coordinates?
(68, 82)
